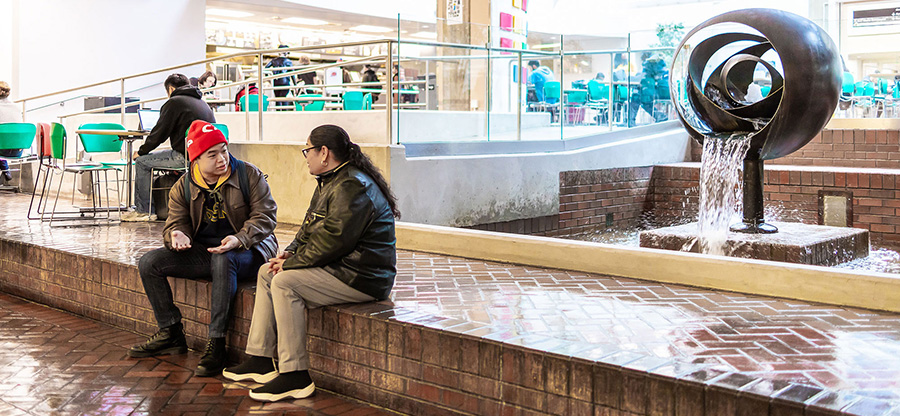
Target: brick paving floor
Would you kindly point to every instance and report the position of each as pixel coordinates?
(53, 362)
(850, 356)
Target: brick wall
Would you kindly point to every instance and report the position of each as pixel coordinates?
(792, 193)
(849, 148)
(112, 292)
(588, 201)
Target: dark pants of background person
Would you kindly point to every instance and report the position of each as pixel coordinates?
(196, 263)
(4, 166)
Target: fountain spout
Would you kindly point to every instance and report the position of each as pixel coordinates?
(754, 221)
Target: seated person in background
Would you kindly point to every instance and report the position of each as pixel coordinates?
(281, 61)
(209, 80)
(183, 107)
(308, 78)
(538, 77)
(369, 75)
(221, 232)
(9, 113)
(344, 253)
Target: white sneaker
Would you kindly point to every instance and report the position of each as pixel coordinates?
(133, 216)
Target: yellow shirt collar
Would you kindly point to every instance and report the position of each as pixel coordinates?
(198, 177)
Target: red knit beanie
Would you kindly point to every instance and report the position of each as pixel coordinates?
(201, 136)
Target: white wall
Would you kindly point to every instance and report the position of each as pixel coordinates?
(61, 44)
(6, 40)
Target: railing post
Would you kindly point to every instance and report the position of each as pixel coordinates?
(389, 90)
(122, 100)
(562, 90)
(489, 89)
(259, 101)
(612, 89)
(519, 102)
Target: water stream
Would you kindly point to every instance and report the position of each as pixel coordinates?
(720, 188)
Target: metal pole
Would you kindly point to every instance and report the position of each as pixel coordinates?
(519, 101)
(562, 94)
(612, 88)
(427, 77)
(488, 91)
(122, 100)
(259, 106)
(390, 93)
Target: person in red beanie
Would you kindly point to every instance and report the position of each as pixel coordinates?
(220, 228)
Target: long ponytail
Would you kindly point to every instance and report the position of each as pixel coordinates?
(338, 141)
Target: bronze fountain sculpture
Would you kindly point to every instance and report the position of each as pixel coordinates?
(801, 101)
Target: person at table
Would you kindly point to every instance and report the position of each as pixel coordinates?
(9, 113)
(344, 253)
(307, 78)
(244, 90)
(369, 75)
(183, 108)
(281, 61)
(216, 230)
(209, 80)
(539, 76)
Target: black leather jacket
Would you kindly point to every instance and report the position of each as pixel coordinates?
(348, 231)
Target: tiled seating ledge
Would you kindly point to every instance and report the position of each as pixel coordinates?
(405, 357)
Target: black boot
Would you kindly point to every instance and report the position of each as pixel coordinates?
(169, 340)
(213, 360)
(7, 176)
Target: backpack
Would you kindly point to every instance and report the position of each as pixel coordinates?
(244, 181)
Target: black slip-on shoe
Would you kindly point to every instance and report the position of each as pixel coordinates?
(293, 385)
(258, 369)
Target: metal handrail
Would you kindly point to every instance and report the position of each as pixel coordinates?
(207, 60)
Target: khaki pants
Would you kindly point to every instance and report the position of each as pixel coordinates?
(279, 314)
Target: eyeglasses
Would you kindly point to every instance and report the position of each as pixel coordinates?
(305, 151)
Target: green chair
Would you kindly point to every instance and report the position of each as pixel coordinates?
(551, 92)
(309, 105)
(254, 102)
(598, 99)
(847, 84)
(16, 137)
(576, 97)
(352, 100)
(91, 144)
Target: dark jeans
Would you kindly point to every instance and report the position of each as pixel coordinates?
(197, 264)
(9, 153)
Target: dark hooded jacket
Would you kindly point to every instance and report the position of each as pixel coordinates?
(184, 106)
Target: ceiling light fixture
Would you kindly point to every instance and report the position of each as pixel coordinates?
(227, 13)
(372, 29)
(425, 35)
(304, 21)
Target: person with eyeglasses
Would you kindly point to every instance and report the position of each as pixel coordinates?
(345, 252)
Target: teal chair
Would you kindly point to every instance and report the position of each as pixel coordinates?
(598, 99)
(222, 127)
(16, 138)
(367, 101)
(765, 90)
(91, 144)
(309, 105)
(551, 92)
(254, 102)
(352, 100)
(576, 97)
(847, 84)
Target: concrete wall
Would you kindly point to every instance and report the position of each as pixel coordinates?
(470, 190)
(292, 185)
